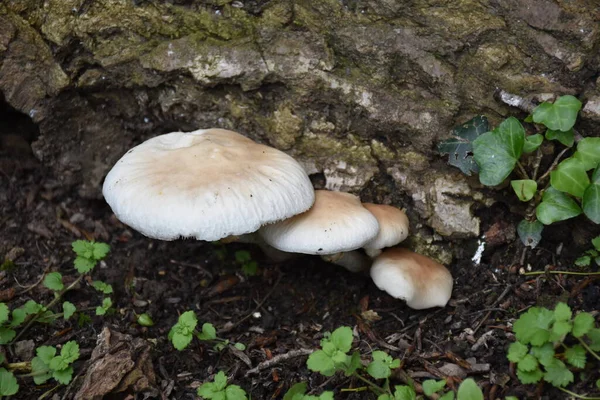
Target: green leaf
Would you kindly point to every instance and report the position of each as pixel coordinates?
(379, 369)
(596, 243)
(559, 116)
(68, 354)
(208, 332)
(561, 328)
(566, 138)
(68, 309)
(220, 380)
(404, 392)
(533, 327)
(83, 265)
(594, 336)
(431, 386)
(53, 281)
(8, 383)
(582, 324)
(240, 346)
(562, 312)
(40, 371)
(234, 392)
(524, 189)
(4, 313)
(460, 146)
(570, 177)
(6, 335)
(342, 338)
(31, 307)
(63, 376)
(145, 320)
(588, 152)
(556, 206)
(529, 377)
(498, 151)
(352, 364)
(532, 143)
(181, 333)
(106, 304)
(319, 361)
(558, 374)
(100, 250)
(180, 341)
(250, 268)
(530, 233)
(591, 199)
(544, 354)
(208, 390)
(447, 396)
(583, 261)
(528, 363)
(83, 248)
(102, 287)
(468, 390)
(242, 256)
(297, 389)
(576, 356)
(516, 352)
(46, 353)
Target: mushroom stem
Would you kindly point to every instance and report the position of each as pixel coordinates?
(353, 261)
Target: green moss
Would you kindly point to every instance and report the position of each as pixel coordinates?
(322, 146)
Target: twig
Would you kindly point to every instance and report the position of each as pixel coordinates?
(560, 272)
(554, 164)
(498, 300)
(522, 170)
(278, 359)
(592, 352)
(578, 396)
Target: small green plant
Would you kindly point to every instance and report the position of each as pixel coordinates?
(182, 333)
(244, 260)
(8, 382)
(220, 390)
(547, 339)
(333, 357)
(47, 364)
(592, 255)
(574, 183)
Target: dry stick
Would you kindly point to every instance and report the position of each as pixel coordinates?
(554, 163)
(522, 170)
(578, 396)
(278, 359)
(498, 300)
(560, 272)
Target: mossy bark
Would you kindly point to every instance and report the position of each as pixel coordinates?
(358, 90)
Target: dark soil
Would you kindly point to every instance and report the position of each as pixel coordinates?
(285, 307)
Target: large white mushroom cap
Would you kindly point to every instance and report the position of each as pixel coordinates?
(337, 222)
(206, 184)
(421, 281)
(393, 227)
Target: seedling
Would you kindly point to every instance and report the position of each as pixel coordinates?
(248, 265)
(48, 364)
(574, 184)
(220, 390)
(298, 392)
(182, 333)
(540, 332)
(592, 255)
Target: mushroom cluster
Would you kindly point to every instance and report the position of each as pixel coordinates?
(215, 184)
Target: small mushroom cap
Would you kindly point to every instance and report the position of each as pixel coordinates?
(393, 227)
(337, 222)
(207, 184)
(421, 281)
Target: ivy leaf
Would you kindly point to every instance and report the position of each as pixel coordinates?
(68, 309)
(591, 198)
(567, 138)
(8, 383)
(559, 116)
(460, 146)
(558, 374)
(53, 281)
(530, 233)
(588, 152)
(582, 324)
(570, 177)
(468, 390)
(431, 386)
(576, 356)
(498, 151)
(534, 326)
(532, 143)
(525, 188)
(556, 206)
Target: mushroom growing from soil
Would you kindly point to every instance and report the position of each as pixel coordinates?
(421, 281)
(393, 227)
(207, 184)
(336, 223)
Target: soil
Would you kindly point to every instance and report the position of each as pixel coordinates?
(285, 307)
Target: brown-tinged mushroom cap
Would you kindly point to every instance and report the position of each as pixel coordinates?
(421, 281)
(337, 222)
(207, 184)
(393, 227)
